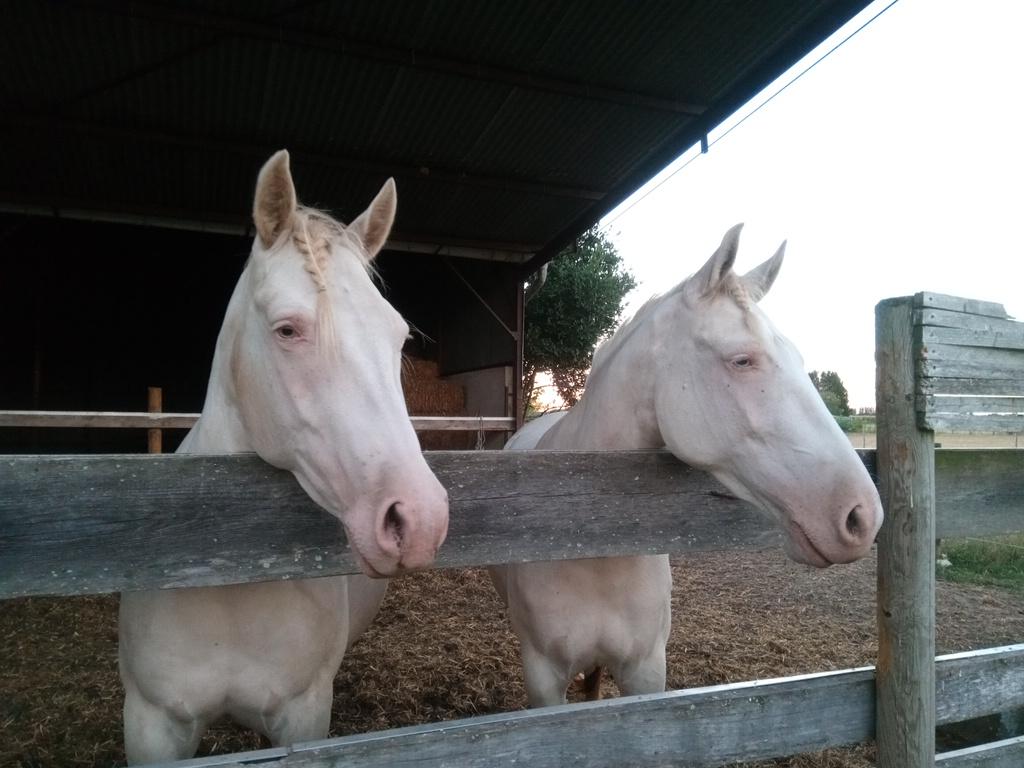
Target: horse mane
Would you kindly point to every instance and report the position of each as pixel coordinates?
(731, 285)
(607, 348)
(312, 233)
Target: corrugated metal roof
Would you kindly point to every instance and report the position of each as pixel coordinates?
(512, 124)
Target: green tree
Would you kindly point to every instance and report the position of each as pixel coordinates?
(568, 312)
(832, 391)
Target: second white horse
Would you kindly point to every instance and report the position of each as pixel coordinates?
(702, 371)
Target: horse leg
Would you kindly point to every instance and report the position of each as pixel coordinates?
(154, 735)
(307, 717)
(646, 675)
(545, 682)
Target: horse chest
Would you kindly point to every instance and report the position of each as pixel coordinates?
(586, 611)
(204, 650)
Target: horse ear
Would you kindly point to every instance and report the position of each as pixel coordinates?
(374, 224)
(706, 281)
(760, 278)
(275, 203)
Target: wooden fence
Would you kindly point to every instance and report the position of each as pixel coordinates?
(942, 363)
(72, 525)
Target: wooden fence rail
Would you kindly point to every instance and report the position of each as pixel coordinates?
(145, 420)
(82, 524)
(697, 728)
(91, 523)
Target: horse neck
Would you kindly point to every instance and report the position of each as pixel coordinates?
(617, 407)
(220, 428)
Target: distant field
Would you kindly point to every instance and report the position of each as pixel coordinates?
(948, 440)
(996, 561)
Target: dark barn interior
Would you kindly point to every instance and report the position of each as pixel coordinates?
(103, 316)
(132, 134)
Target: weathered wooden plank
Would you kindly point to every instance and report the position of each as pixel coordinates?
(80, 524)
(155, 437)
(970, 404)
(949, 361)
(930, 300)
(939, 318)
(966, 422)
(270, 756)
(464, 423)
(218, 514)
(977, 683)
(979, 492)
(1008, 753)
(976, 338)
(143, 420)
(126, 522)
(906, 551)
(944, 413)
(98, 419)
(965, 385)
(698, 727)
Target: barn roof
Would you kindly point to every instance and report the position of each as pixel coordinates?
(509, 132)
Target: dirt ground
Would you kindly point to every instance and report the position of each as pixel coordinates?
(441, 649)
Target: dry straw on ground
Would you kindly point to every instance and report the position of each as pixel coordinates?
(441, 649)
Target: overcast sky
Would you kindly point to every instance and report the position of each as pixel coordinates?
(894, 166)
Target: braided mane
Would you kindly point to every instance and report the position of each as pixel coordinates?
(732, 285)
(313, 232)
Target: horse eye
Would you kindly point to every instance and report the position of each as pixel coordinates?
(286, 332)
(743, 361)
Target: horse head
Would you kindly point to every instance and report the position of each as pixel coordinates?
(315, 360)
(732, 397)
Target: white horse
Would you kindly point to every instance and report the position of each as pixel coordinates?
(701, 371)
(306, 373)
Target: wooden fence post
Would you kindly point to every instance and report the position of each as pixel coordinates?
(905, 703)
(156, 405)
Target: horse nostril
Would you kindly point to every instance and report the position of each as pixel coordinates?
(394, 525)
(854, 526)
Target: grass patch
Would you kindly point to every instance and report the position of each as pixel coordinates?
(995, 562)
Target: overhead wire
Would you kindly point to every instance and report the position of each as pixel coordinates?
(706, 146)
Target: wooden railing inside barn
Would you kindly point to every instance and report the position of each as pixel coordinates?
(74, 525)
(146, 420)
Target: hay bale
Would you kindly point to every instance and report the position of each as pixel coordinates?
(427, 394)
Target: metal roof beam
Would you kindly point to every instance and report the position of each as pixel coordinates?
(122, 78)
(401, 242)
(399, 56)
(112, 214)
(40, 123)
(442, 247)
